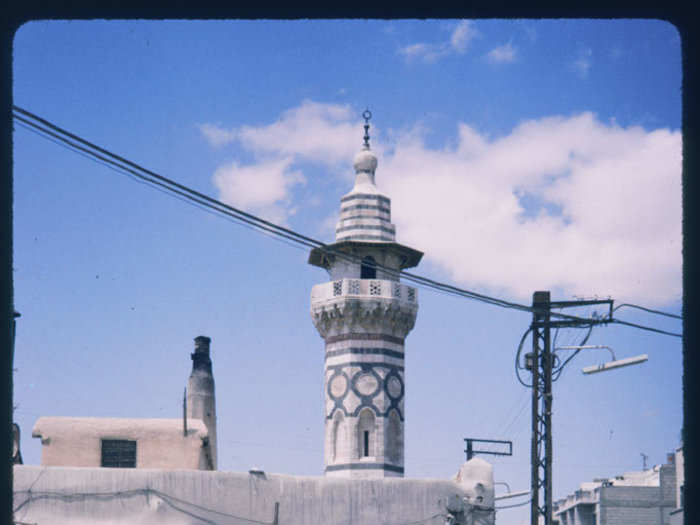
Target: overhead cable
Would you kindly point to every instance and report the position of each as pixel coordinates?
(102, 155)
(647, 310)
(514, 505)
(75, 496)
(648, 328)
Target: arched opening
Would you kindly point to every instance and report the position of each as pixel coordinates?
(366, 434)
(368, 269)
(393, 448)
(337, 436)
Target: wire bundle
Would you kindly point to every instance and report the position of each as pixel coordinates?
(120, 164)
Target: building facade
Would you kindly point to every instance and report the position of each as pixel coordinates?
(677, 513)
(635, 498)
(187, 443)
(123, 443)
(364, 315)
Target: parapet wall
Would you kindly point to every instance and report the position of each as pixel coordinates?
(77, 496)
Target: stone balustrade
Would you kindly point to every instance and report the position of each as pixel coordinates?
(364, 288)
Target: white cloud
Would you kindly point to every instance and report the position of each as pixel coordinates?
(618, 191)
(582, 64)
(319, 132)
(263, 189)
(530, 31)
(502, 54)
(216, 135)
(462, 35)
(316, 132)
(426, 52)
(458, 42)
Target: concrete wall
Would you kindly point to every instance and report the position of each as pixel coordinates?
(667, 482)
(676, 517)
(680, 476)
(582, 514)
(81, 496)
(160, 443)
(633, 506)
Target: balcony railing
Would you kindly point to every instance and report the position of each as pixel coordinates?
(364, 288)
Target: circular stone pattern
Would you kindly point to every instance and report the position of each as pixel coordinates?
(338, 385)
(394, 387)
(366, 384)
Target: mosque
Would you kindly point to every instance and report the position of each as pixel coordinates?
(114, 470)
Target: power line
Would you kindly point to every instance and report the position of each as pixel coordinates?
(104, 156)
(647, 310)
(648, 328)
(179, 189)
(119, 169)
(194, 196)
(73, 496)
(514, 505)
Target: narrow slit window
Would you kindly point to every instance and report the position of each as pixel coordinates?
(366, 435)
(118, 453)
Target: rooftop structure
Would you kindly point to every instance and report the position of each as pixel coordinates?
(188, 442)
(644, 497)
(121, 442)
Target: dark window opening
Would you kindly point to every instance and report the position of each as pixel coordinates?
(368, 269)
(118, 453)
(682, 496)
(366, 443)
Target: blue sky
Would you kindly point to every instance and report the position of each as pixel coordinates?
(519, 155)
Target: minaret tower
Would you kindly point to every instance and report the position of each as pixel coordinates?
(364, 314)
(201, 401)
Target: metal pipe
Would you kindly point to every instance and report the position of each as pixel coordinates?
(615, 364)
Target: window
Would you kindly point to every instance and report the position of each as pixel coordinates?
(119, 453)
(368, 269)
(682, 496)
(366, 434)
(393, 448)
(338, 435)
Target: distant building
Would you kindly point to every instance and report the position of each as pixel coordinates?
(187, 443)
(645, 497)
(677, 513)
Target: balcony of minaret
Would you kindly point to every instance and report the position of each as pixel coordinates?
(364, 306)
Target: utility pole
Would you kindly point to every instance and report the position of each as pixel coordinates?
(541, 444)
(644, 460)
(540, 363)
(470, 451)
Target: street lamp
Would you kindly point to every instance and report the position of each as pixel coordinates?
(602, 367)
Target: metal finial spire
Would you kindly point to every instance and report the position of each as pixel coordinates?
(366, 114)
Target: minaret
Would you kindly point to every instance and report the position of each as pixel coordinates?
(364, 314)
(201, 401)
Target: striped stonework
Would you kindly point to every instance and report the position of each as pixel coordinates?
(365, 217)
(364, 388)
(364, 323)
(364, 315)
